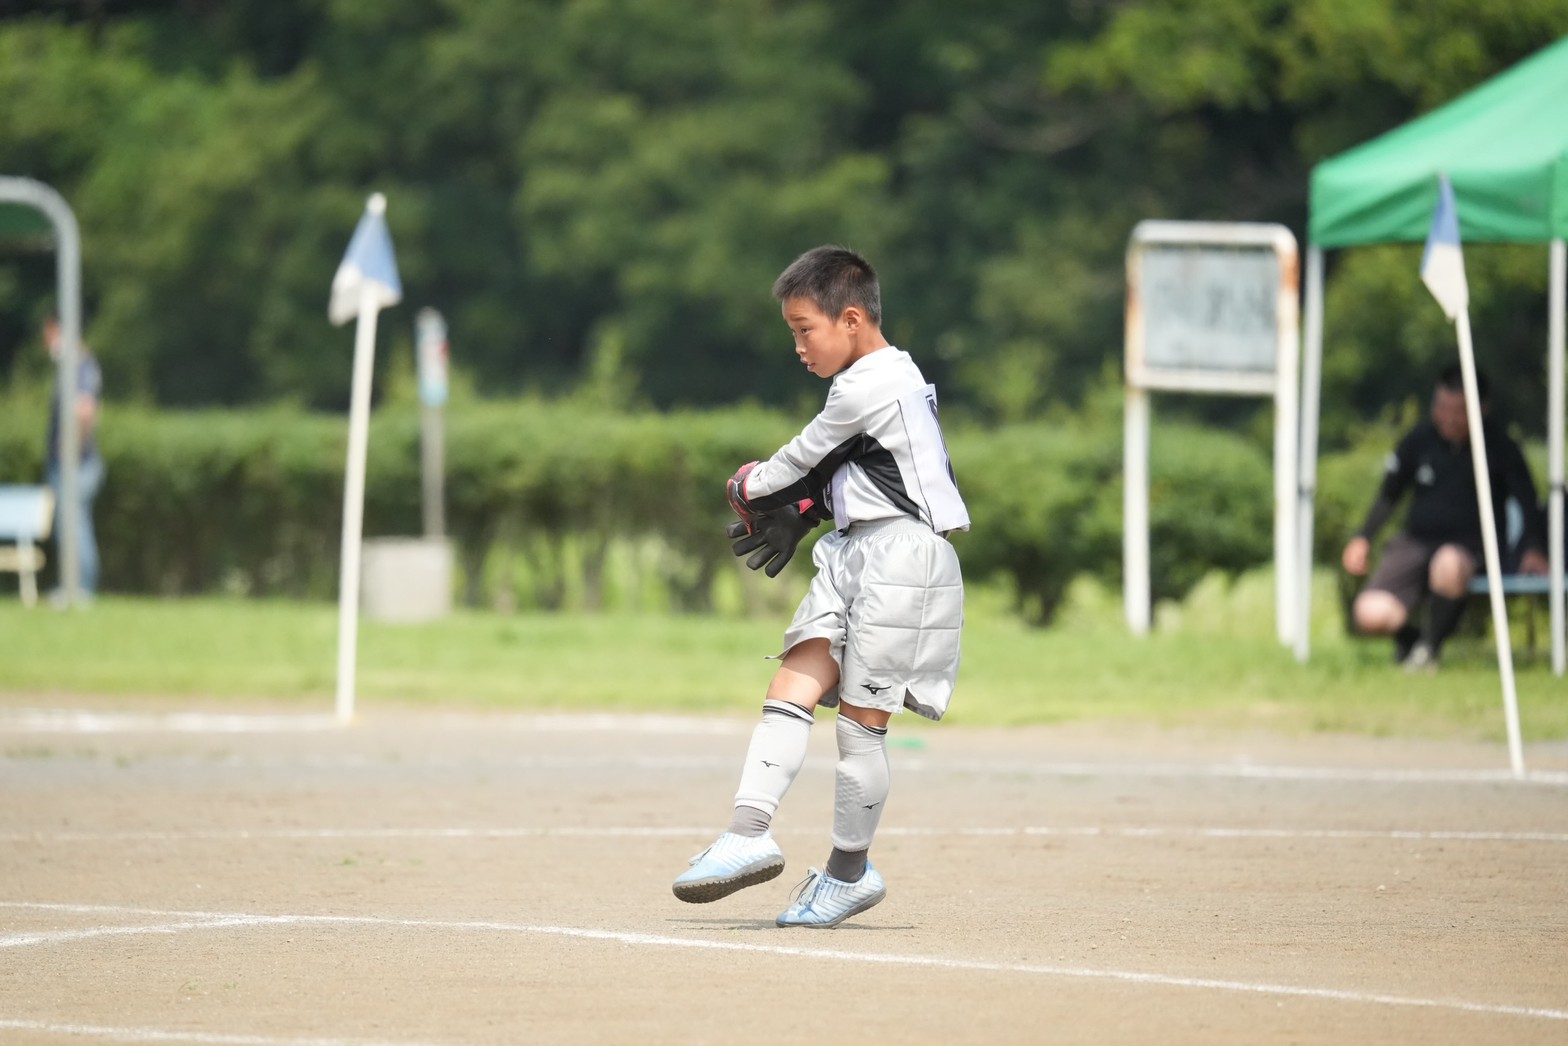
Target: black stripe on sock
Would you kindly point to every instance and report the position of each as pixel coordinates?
(787, 708)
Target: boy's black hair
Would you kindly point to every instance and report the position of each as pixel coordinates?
(1453, 379)
(833, 278)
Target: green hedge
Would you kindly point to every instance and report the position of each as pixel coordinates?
(540, 495)
(1047, 504)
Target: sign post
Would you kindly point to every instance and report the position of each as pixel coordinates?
(1211, 308)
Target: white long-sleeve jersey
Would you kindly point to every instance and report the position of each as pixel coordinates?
(874, 452)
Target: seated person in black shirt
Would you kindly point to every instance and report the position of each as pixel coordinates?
(1439, 549)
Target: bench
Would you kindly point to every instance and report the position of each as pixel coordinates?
(1517, 585)
(26, 514)
(1513, 584)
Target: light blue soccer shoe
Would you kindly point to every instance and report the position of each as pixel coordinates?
(732, 863)
(823, 901)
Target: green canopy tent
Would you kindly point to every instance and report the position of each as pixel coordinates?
(1504, 147)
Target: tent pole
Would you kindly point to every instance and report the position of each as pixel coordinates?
(1556, 292)
(1307, 472)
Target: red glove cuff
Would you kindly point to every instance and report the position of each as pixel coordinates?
(735, 490)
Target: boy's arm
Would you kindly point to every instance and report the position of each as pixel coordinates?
(803, 467)
(1382, 507)
(750, 514)
(1398, 472)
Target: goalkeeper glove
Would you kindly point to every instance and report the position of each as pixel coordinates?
(772, 537)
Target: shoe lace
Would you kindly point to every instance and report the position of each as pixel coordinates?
(805, 891)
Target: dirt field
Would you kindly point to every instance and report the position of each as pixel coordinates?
(420, 878)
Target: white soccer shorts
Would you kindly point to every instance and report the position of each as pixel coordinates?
(889, 598)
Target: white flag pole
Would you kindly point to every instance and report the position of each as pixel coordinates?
(365, 283)
(1443, 272)
(1494, 573)
(354, 500)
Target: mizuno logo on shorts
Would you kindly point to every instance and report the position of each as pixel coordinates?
(873, 689)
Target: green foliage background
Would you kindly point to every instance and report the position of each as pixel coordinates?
(597, 196)
(250, 502)
(599, 193)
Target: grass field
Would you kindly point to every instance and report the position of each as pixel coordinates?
(1213, 662)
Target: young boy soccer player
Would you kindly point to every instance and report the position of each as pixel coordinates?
(878, 630)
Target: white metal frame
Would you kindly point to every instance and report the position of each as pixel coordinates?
(1281, 385)
(68, 278)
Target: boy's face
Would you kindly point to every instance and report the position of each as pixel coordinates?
(826, 345)
(1449, 416)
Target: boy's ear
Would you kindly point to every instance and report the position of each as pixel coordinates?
(851, 317)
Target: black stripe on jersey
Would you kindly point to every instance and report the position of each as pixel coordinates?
(878, 463)
(812, 484)
(881, 468)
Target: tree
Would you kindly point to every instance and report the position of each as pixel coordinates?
(599, 193)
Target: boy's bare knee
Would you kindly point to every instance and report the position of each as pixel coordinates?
(1450, 572)
(806, 672)
(876, 718)
(1378, 613)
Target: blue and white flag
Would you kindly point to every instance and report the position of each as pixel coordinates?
(368, 263)
(1443, 264)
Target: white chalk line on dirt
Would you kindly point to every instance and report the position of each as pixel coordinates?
(67, 721)
(1043, 768)
(74, 721)
(205, 920)
(1240, 770)
(24, 940)
(162, 1035)
(676, 831)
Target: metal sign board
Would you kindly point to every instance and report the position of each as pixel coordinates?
(1210, 308)
(1208, 305)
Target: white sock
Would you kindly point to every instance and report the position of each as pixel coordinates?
(860, 784)
(776, 754)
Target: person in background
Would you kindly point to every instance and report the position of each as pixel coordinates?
(85, 405)
(1439, 550)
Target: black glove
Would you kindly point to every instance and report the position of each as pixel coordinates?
(772, 537)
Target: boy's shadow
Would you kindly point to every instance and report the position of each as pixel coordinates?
(769, 924)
